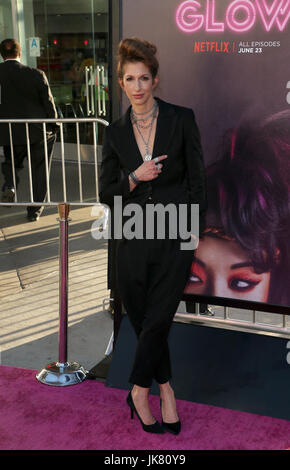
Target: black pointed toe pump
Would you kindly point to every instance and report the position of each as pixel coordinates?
(155, 428)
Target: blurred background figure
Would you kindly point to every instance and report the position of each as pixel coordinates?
(25, 94)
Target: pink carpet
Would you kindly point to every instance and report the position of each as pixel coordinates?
(91, 416)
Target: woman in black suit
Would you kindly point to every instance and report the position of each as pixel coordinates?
(151, 155)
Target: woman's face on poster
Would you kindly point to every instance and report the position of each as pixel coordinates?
(221, 268)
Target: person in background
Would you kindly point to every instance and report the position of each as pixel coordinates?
(25, 94)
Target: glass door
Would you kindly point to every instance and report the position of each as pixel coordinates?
(70, 41)
(6, 26)
(74, 49)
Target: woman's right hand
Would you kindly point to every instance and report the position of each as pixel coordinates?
(149, 170)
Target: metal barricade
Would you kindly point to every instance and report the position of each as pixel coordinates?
(61, 372)
(223, 319)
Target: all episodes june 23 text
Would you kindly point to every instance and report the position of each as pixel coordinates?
(233, 47)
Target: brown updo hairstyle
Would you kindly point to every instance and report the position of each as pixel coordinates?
(137, 50)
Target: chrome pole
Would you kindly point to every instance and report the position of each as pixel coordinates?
(96, 160)
(62, 373)
(92, 85)
(46, 161)
(87, 91)
(29, 162)
(79, 161)
(12, 160)
(99, 90)
(63, 163)
(103, 91)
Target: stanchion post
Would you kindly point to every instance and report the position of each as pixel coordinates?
(62, 373)
(63, 210)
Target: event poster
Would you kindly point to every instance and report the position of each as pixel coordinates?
(229, 60)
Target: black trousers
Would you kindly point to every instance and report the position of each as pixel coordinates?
(37, 167)
(151, 276)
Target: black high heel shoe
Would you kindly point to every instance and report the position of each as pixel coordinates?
(174, 428)
(153, 428)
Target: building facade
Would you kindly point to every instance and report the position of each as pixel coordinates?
(72, 42)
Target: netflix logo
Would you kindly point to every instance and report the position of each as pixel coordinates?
(224, 47)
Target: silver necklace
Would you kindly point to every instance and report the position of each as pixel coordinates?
(147, 157)
(146, 112)
(148, 115)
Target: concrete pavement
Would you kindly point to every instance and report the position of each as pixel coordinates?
(29, 287)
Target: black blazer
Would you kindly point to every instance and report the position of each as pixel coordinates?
(182, 179)
(25, 93)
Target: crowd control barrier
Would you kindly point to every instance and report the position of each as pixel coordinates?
(61, 372)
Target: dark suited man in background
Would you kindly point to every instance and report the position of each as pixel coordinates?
(25, 94)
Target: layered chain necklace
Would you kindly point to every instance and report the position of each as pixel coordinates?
(137, 120)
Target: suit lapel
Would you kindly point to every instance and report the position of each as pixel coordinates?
(165, 128)
(166, 123)
(126, 142)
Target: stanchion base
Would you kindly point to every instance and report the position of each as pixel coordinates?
(62, 374)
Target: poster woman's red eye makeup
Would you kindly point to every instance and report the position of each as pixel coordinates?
(197, 273)
(243, 278)
(222, 268)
